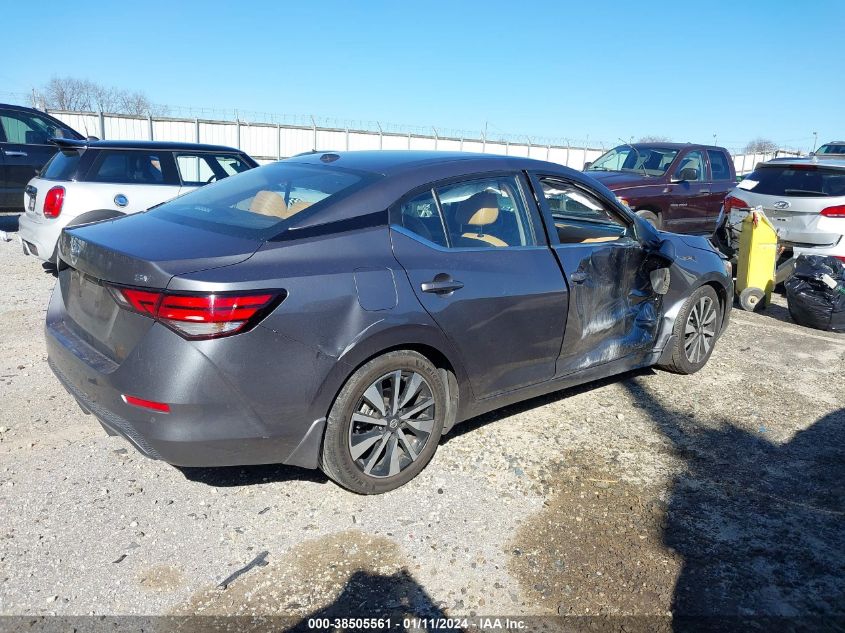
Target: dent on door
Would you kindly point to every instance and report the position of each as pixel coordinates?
(614, 308)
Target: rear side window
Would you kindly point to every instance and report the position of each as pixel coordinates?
(719, 165)
(200, 169)
(261, 203)
(796, 180)
(132, 167)
(486, 213)
(420, 216)
(62, 166)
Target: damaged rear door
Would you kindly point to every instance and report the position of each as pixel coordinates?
(613, 309)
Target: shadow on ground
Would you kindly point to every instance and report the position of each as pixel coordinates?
(760, 525)
(228, 476)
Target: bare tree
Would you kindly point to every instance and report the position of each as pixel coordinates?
(761, 146)
(653, 138)
(83, 95)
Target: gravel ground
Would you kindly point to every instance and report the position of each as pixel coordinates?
(718, 493)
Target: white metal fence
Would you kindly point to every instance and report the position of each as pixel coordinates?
(267, 142)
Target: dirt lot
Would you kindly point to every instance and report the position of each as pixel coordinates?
(718, 493)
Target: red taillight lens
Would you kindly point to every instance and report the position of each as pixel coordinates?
(53, 202)
(160, 407)
(197, 316)
(834, 212)
(732, 202)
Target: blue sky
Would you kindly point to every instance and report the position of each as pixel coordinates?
(601, 70)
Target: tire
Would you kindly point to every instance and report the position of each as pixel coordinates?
(651, 217)
(752, 298)
(401, 442)
(692, 350)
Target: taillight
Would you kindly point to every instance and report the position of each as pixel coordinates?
(53, 202)
(732, 202)
(198, 316)
(834, 212)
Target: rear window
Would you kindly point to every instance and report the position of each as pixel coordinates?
(796, 180)
(62, 166)
(831, 149)
(199, 169)
(134, 167)
(262, 202)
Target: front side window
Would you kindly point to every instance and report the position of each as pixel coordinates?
(692, 168)
(486, 213)
(200, 169)
(579, 216)
(27, 128)
(132, 167)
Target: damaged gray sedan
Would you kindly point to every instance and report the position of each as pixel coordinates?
(344, 311)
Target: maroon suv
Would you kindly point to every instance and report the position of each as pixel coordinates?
(676, 186)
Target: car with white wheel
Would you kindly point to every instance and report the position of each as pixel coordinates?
(346, 310)
(89, 181)
(803, 198)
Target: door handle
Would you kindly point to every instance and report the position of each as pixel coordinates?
(578, 277)
(14, 152)
(441, 286)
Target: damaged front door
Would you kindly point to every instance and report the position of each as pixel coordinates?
(613, 308)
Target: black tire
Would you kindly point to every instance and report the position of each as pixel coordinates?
(336, 458)
(651, 217)
(682, 361)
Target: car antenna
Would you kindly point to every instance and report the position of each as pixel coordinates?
(636, 151)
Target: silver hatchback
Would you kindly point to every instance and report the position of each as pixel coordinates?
(803, 197)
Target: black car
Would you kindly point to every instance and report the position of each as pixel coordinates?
(25, 147)
(344, 310)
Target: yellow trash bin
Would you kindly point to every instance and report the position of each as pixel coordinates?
(755, 271)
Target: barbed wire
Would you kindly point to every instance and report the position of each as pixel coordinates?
(490, 133)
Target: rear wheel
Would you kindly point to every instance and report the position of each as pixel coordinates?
(385, 424)
(695, 331)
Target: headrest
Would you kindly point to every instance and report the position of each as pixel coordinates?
(273, 204)
(479, 209)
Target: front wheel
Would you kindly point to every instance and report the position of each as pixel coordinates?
(385, 424)
(695, 331)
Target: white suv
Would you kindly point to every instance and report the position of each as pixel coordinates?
(89, 181)
(803, 197)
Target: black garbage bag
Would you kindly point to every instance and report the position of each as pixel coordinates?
(811, 301)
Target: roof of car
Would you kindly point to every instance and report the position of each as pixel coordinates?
(142, 145)
(391, 162)
(832, 161)
(672, 145)
(11, 106)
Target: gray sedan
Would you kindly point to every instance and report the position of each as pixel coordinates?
(344, 311)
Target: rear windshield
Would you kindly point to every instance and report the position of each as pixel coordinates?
(796, 180)
(62, 166)
(831, 149)
(261, 203)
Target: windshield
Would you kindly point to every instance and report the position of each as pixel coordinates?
(646, 161)
(261, 203)
(831, 149)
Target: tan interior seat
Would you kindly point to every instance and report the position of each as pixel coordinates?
(271, 203)
(480, 210)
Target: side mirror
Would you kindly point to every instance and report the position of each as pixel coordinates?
(58, 133)
(667, 251)
(686, 174)
(91, 138)
(587, 165)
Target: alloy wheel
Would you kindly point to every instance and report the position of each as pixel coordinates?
(392, 423)
(700, 330)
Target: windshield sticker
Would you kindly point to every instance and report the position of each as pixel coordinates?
(748, 184)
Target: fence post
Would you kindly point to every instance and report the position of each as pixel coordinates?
(314, 131)
(409, 140)
(347, 139)
(436, 138)
(507, 148)
(567, 152)
(102, 126)
(483, 143)
(278, 141)
(197, 129)
(462, 143)
(150, 127)
(380, 136)
(548, 151)
(238, 133)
